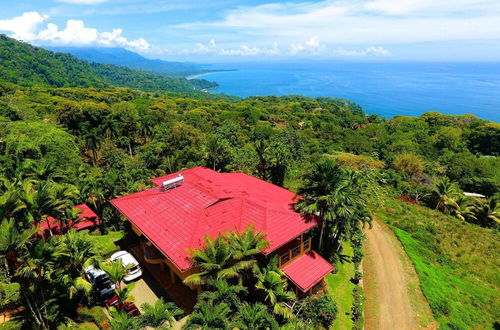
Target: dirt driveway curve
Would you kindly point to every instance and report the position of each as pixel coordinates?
(387, 276)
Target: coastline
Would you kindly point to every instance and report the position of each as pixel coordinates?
(199, 75)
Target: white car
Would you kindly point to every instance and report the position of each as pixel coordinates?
(126, 258)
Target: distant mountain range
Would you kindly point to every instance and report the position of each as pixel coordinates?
(123, 57)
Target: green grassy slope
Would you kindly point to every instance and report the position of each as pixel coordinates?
(457, 263)
(340, 288)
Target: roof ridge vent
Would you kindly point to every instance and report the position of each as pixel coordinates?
(173, 183)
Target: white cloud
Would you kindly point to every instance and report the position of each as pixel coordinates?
(83, 2)
(201, 48)
(244, 50)
(23, 27)
(373, 50)
(358, 22)
(311, 46)
(431, 7)
(251, 51)
(75, 33)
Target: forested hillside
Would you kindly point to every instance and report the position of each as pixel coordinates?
(123, 57)
(274, 137)
(26, 65)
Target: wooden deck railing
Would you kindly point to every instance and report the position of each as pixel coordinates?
(294, 252)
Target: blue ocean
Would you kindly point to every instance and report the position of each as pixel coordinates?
(387, 89)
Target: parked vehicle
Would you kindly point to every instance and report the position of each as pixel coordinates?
(101, 283)
(126, 258)
(128, 307)
(131, 309)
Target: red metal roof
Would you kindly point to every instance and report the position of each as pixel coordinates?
(87, 218)
(307, 270)
(209, 203)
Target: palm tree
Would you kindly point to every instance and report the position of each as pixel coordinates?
(43, 170)
(349, 212)
(125, 295)
(48, 199)
(260, 147)
(75, 250)
(38, 263)
(214, 261)
(92, 192)
(336, 196)
(9, 203)
(116, 271)
(444, 194)
(208, 316)
(270, 281)
(316, 190)
(464, 208)
(297, 324)
(277, 158)
(92, 142)
(110, 126)
(69, 218)
(160, 314)
(247, 244)
(122, 321)
(13, 243)
(486, 213)
(220, 291)
(251, 317)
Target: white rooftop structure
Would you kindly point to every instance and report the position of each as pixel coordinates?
(173, 183)
(468, 194)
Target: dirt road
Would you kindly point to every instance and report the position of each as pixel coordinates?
(388, 276)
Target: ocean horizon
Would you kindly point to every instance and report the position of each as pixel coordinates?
(387, 89)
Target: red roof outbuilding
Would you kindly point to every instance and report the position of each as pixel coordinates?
(87, 219)
(210, 203)
(307, 270)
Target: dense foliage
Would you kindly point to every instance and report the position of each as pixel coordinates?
(321, 310)
(243, 291)
(26, 65)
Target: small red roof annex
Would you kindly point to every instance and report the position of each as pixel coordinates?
(210, 203)
(87, 219)
(307, 270)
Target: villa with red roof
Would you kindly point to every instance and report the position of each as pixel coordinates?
(184, 207)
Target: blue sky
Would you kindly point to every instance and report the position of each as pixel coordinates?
(230, 30)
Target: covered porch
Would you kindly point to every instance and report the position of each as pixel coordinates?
(306, 272)
(181, 294)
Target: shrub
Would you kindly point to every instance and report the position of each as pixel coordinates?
(320, 310)
(9, 295)
(409, 164)
(357, 255)
(357, 308)
(358, 275)
(441, 307)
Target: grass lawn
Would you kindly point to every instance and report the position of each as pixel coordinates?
(93, 316)
(340, 287)
(11, 325)
(457, 263)
(106, 243)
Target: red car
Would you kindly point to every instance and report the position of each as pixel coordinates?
(128, 307)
